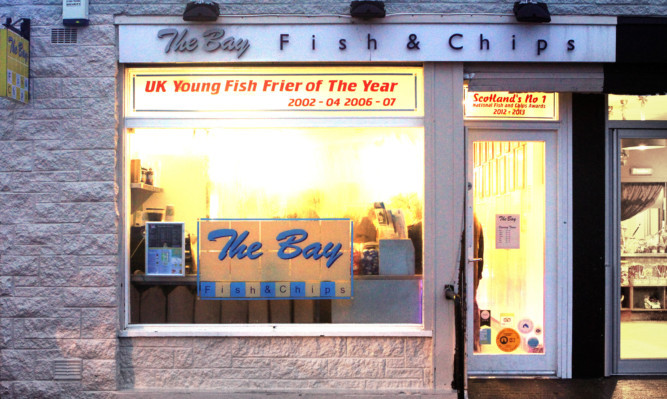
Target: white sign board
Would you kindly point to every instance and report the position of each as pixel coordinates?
(508, 231)
(206, 92)
(353, 42)
(505, 105)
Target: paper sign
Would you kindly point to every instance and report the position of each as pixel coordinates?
(165, 249)
(508, 231)
(485, 336)
(506, 319)
(485, 318)
(508, 340)
(525, 326)
(275, 259)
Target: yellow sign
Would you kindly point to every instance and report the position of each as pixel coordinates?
(308, 91)
(14, 66)
(508, 340)
(275, 259)
(491, 105)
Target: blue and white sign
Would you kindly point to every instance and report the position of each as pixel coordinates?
(275, 259)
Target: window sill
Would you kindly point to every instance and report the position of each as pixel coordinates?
(276, 330)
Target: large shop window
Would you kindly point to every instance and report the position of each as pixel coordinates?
(268, 180)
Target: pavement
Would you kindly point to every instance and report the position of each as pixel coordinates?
(653, 387)
(648, 387)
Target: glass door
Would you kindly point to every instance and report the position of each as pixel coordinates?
(641, 278)
(511, 249)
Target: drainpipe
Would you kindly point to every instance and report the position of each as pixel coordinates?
(459, 382)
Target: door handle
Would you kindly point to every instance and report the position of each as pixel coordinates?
(475, 259)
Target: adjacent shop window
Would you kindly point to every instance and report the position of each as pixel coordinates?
(637, 108)
(643, 246)
(249, 177)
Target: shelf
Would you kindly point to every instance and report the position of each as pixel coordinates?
(646, 255)
(190, 279)
(635, 286)
(146, 187)
(648, 310)
(388, 277)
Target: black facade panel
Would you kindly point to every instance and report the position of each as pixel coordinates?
(641, 40)
(636, 79)
(588, 216)
(641, 57)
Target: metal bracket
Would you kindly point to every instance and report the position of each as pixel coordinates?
(450, 293)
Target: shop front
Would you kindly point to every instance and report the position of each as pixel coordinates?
(637, 135)
(321, 203)
(294, 197)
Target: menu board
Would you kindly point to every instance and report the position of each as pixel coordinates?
(275, 259)
(508, 231)
(165, 249)
(14, 66)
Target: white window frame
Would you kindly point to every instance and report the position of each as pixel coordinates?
(425, 329)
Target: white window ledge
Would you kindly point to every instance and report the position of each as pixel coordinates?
(276, 330)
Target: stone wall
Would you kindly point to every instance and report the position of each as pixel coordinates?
(276, 363)
(58, 214)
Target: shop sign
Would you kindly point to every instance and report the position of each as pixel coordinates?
(275, 259)
(513, 106)
(14, 66)
(478, 41)
(200, 92)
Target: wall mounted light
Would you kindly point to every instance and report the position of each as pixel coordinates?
(23, 30)
(643, 144)
(367, 9)
(531, 11)
(641, 171)
(201, 11)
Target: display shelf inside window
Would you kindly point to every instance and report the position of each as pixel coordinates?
(644, 286)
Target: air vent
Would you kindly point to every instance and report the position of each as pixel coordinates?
(67, 369)
(63, 36)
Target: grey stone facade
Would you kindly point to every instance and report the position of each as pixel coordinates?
(275, 363)
(60, 289)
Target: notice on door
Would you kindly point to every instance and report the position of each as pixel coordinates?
(508, 231)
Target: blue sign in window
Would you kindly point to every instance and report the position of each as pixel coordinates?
(268, 290)
(327, 288)
(237, 290)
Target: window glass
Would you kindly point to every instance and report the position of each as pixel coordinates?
(509, 205)
(637, 108)
(643, 250)
(363, 174)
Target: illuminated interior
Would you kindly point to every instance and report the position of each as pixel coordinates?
(509, 180)
(643, 251)
(282, 173)
(637, 108)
